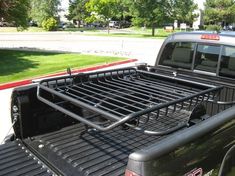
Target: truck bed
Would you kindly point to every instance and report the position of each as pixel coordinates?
(91, 152)
(16, 160)
(155, 106)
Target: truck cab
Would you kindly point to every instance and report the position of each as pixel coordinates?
(210, 54)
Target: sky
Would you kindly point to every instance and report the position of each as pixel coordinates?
(65, 3)
(200, 3)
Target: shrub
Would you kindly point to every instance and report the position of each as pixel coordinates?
(213, 28)
(50, 24)
(201, 27)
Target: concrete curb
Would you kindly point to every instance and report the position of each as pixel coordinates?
(29, 81)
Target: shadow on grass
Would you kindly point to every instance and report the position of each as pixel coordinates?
(13, 61)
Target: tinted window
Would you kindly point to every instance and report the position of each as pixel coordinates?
(178, 54)
(227, 65)
(207, 58)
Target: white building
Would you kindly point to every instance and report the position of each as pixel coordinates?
(199, 20)
(64, 10)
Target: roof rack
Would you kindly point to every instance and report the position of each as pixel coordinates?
(133, 98)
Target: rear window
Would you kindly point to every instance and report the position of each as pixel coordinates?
(227, 65)
(207, 57)
(178, 55)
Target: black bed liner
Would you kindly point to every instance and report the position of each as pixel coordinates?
(79, 152)
(16, 160)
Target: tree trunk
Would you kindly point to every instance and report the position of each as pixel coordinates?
(153, 29)
(79, 23)
(108, 27)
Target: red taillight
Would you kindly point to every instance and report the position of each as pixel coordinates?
(210, 37)
(130, 173)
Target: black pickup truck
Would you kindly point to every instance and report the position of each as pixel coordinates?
(174, 118)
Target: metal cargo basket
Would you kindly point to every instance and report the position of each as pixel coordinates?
(145, 101)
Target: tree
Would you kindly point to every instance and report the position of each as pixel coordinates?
(219, 12)
(149, 12)
(77, 11)
(184, 11)
(15, 11)
(155, 12)
(42, 10)
(102, 9)
(121, 10)
(49, 24)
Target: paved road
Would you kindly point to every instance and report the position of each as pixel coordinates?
(145, 50)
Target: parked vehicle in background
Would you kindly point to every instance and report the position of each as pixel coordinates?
(33, 23)
(64, 25)
(6, 24)
(119, 24)
(114, 24)
(125, 24)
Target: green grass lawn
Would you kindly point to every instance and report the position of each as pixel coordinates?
(14, 29)
(18, 65)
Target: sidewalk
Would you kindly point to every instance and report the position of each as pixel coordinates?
(143, 49)
(5, 120)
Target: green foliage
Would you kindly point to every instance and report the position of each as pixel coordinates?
(15, 11)
(149, 12)
(153, 13)
(183, 11)
(218, 11)
(42, 10)
(121, 10)
(213, 27)
(77, 11)
(102, 10)
(50, 24)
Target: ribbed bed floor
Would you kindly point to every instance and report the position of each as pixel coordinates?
(15, 160)
(90, 153)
